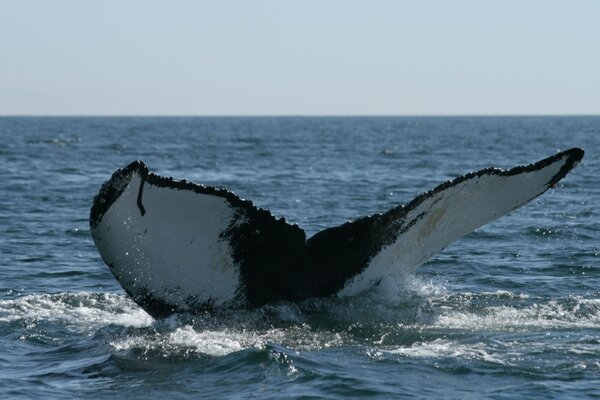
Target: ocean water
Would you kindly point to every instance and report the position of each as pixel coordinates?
(510, 311)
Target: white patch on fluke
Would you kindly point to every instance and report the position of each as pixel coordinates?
(448, 215)
(174, 251)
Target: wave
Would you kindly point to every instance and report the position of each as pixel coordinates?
(414, 318)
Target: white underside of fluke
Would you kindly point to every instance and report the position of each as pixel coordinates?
(173, 252)
(448, 215)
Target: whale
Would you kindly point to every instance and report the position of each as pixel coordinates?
(177, 246)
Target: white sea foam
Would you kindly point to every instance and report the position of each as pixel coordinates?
(412, 301)
(189, 340)
(76, 309)
(549, 315)
(322, 323)
(514, 352)
(453, 349)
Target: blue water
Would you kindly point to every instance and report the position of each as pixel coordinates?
(510, 311)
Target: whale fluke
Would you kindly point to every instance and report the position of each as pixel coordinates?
(176, 246)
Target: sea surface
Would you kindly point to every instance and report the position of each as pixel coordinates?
(510, 311)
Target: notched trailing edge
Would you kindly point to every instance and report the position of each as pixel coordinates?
(574, 156)
(114, 187)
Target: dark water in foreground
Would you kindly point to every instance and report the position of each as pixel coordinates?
(511, 311)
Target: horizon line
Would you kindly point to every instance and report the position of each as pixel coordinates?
(24, 115)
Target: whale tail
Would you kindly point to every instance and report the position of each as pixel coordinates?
(176, 246)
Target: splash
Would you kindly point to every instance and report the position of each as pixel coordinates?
(84, 310)
(409, 317)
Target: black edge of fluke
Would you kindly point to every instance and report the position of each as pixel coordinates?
(574, 156)
(113, 188)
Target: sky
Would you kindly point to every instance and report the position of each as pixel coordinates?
(327, 57)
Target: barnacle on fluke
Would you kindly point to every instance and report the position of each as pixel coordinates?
(177, 246)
